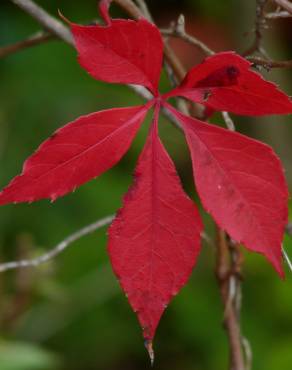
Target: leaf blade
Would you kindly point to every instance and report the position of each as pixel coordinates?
(153, 253)
(79, 151)
(225, 82)
(241, 183)
(125, 51)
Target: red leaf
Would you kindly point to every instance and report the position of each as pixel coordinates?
(74, 154)
(241, 183)
(225, 82)
(125, 51)
(155, 239)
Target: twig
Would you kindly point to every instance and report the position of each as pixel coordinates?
(287, 259)
(276, 15)
(36, 39)
(207, 238)
(50, 23)
(59, 248)
(268, 64)
(247, 353)
(178, 30)
(260, 24)
(228, 121)
(144, 8)
(225, 270)
(285, 4)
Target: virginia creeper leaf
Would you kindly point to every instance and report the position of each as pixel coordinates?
(225, 82)
(155, 239)
(125, 51)
(241, 183)
(74, 154)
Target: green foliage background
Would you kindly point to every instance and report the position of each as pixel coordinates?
(70, 313)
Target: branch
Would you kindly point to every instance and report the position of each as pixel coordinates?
(285, 4)
(50, 23)
(260, 24)
(59, 248)
(36, 39)
(268, 64)
(287, 259)
(228, 121)
(178, 30)
(228, 268)
(288, 231)
(276, 15)
(144, 9)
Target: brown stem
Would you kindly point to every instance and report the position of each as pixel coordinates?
(260, 24)
(268, 64)
(38, 38)
(189, 39)
(228, 267)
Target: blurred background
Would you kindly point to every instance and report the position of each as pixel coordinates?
(70, 313)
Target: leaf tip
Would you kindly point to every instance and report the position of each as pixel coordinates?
(149, 346)
(66, 20)
(104, 10)
(277, 263)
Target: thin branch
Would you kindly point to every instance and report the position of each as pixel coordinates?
(268, 64)
(228, 268)
(207, 238)
(49, 22)
(36, 39)
(287, 259)
(59, 248)
(178, 30)
(228, 121)
(277, 15)
(144, 8)
(288, 231)
(285, 4)
(260, 24)
(247, 353)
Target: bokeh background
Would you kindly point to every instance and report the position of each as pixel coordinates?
(70, 313)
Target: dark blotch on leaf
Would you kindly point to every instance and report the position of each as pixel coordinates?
(226, 76)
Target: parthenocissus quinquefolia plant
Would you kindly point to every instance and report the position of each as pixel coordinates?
(155, 238)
